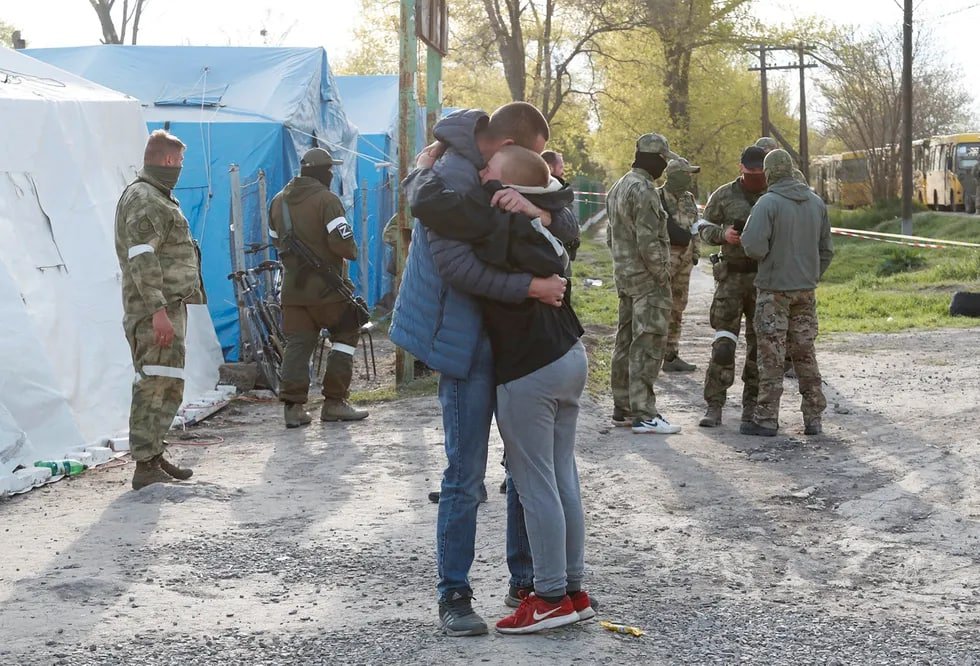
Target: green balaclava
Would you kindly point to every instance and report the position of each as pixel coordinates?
(778, 165)
(166, 176)
(678, 182)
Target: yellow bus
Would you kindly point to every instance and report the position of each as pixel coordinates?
(854, 180)
(950, 160)
(823, 177)
(920, 155)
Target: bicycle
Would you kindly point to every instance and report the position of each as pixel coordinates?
(265, 341)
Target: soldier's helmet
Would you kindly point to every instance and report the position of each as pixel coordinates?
(655, 143)
(778, 165)
(681, 164)
(767, 143)
(318, 157)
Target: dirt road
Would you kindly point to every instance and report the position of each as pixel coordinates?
(315, 546)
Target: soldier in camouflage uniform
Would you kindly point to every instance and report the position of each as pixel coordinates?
(727, 210)
(316, 218)
(685, 251)
(160, 267)
(769, 144)
(637, 238)
(788, 233)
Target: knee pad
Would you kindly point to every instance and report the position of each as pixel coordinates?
(723, 351)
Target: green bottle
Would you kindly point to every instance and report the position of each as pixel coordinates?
(62, 467)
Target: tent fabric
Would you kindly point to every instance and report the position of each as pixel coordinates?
(65, 366)
(258, 108)
(371, 102)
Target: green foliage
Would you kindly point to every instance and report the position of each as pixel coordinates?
(900, 260)
(854, 296)
(7, 34)
(425, 386)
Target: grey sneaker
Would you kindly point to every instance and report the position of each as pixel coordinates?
(515, 595)
(457, 617)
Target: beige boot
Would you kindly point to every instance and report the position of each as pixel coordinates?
(295, 415)
(711, 418)
(148, 472)
(340, 410)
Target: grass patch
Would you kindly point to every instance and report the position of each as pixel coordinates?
(425, 386)
(597, 308)
(875, 286)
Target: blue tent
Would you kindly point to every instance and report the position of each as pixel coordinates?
(371, 103)
(257, 108)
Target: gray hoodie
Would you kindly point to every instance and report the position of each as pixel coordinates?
(788, 233)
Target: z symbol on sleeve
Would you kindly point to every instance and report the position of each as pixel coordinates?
(341, 226)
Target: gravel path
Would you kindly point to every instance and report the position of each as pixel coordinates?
(315, 546)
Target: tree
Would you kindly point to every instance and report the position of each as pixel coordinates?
(683, 28)
(864, 93)
(132, 12)
(376, 37)
(7, 34)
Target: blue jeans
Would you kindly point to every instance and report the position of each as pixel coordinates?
(519, 559)
(467, 410)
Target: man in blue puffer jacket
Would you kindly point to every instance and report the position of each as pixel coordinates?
(437, 320)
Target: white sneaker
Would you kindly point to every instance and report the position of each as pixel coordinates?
(658, 425)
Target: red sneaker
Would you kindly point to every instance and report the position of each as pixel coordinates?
(582, 605)
(535, 614)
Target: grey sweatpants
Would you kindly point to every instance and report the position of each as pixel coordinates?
(536, 416)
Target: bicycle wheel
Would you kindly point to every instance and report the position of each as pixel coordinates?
(266, 358)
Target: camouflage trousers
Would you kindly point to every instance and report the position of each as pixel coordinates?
(159, 386)
(786, 322)
(301, 325)
(681, 259)
(639, 352)
(734, 298)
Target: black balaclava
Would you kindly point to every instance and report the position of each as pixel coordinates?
(323, 173)
(653, 163)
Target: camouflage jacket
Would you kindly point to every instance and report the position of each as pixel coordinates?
(728, 206)
(683, 211)
(160, 262)
(318, 220)
(637, 235)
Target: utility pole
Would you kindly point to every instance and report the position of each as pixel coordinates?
(765, 91)
(804, 130)
(407, 122)
(803, 156)
(433, 89)
(907, 121)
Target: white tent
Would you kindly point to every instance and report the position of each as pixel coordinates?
(67, 149)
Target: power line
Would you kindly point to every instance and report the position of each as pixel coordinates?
(957, 11)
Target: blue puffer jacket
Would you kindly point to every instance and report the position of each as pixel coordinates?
(436, 318)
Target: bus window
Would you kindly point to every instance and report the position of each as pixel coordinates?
(967, 155)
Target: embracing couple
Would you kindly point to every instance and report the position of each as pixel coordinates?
(484, 301)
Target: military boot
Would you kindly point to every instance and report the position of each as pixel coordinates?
(295, 415)
(711, 418)
(676, 364)
(340, 410)
(748, 413)
(148, 472)
(176, 471)
(813, 427)
(622, 418)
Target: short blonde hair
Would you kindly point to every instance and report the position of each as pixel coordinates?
(521, 166)
(161, 144)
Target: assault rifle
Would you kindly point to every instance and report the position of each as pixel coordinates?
(359, 309)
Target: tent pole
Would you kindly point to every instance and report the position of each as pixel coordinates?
(407, 108)
(433, 89)
(364, 253)
(237, 246)
(264, 222)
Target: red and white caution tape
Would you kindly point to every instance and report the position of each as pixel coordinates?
(900, 239)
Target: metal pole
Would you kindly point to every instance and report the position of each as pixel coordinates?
(364, 254)
(264, 228)
(433, 89)
(765, 91)
(804, 132)
(236, 241)
(407, 108)
(907, 121)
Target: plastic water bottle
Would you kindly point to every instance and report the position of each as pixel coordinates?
(62, 467)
